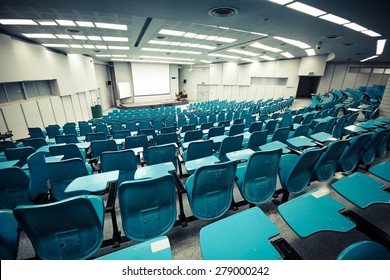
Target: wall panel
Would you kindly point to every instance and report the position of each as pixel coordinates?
(46, 110)
(58, 110)
(13, 115)
(243, 93)
(76, 107)
(83, 105)
(32, 114)
(68, 107)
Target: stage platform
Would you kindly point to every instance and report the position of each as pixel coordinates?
(152, 104)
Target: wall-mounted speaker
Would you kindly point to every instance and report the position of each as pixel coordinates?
(109, 83)
(184, 81)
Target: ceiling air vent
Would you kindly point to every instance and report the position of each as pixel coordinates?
(73, 31)
(223, 12)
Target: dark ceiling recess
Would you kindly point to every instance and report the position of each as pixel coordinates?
(223, 12)
(143, 30)
(73, 31)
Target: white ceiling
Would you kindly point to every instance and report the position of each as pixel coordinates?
(256, 16)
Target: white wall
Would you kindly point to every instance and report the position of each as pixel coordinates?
(102, 77)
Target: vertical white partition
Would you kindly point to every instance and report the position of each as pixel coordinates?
(47, 112)
(14, 117)
(32, 114)
(58, 110)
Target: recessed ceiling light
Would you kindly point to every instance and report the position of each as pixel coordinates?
(281, 2)
(39, 36)
(64, 22)
(225, 40)
(257, 33)
(371, 33)
(119, 55)
(266, 57)
(264, 47)
(293, 42)
(47, 22)
(312, 11)
(79, 37)
(163, 57)
(76, 46)
(155, 42)
(88, 46)
(368, 58)
(94, 38)
(171, 32)
(115, 39)
(189, 35)
(310, 52)
(206, 61)
(287, 54)
(118, 48)
(101, 47)
(63, 36)
(56, 45)
(335, 19)
(211, 38)
(111, 26)
(18, 22)
(380, 45)
(103, 55)
(243, 52)
(85, 24)
(249, 60)
(355, 26)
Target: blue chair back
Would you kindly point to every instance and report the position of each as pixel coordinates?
(236, 129)
(230, 144)
(124, 160)
(210, 190)
(103, 128)
(162, 153)
(257, 184)
(70, 229)
(327, 164)
(35, 143)
(370, 149)
(70, 130)
(59, 179)
(350, 157)
(257, 139)
(281, 134)
(338, 129)
(14, 188)
(19, 153)
(270, 126)
(147, 206)
(38, 188)
(66, 139)
(36, 132)
(166, 138)
(100, 146)
(121, 134)
(85, 128)
(6, 144)
(89, 137)
(365, 250)
(68, 151)
(52, 131)
(255, 126)
(198, 150)
(9, 236)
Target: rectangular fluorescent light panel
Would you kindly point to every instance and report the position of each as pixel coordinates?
(355, 27)
(171, 32)
(371, 33)
(368, 58)
(287, 54)
(163, 57)
(118, 48)
(18, 22)
(243, 52)
(39, 36)
(303, 8)
(56, 45)
(64, 22)
(85, 23)
(266, 57)
(103, 55)
(47, 22)
(264, 47)
(101, 47)
(189, 35)
(281, 2)
(380, 45)
(223, 55)
(155, 42)
(111, 26)
(225, 40)
(115, 39)
(335, 19)
(201, 36)
(79, 37)
(94, 38)
(63, 36)
(76, 46)
(205, 61)
(88, 46)
(211, 38)
(119, 55)
(310, 52)
(296, 43)
(249, 60)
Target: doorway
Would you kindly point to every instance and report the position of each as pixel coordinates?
(307, 86)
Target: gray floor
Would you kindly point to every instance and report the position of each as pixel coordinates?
(321, 246)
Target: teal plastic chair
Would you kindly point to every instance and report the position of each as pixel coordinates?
(35, 143)
(191, 135)
(349, 159)
(85, 128)
(138, 141)
(301, 130)
(257, 178)
(242, 236)
(89, 137)
(296, 171)
(38, 189)
(9, 236)
(157, 248)
(71, 229)
(167, 138)
(280, 134)
(66, 139)
(370, 149)
(319, 127)
(338, 129)
(235, 129)
(120, 134)
(256, 139)
(59, 179)
(229, 144)
(147, 207)
(255, 126)
(52, 131)
(327, 164)
(6, 144)
(70, 130)
(270, 125)
(14, 188)
(124, 160)
(286, 121)
(70, 151)
(197, 150)
(36, 132)
(19, 153)
(383, 145)
(210, 190)
(102, 128)
(365, 250)
(162, 153)
(100, 146)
